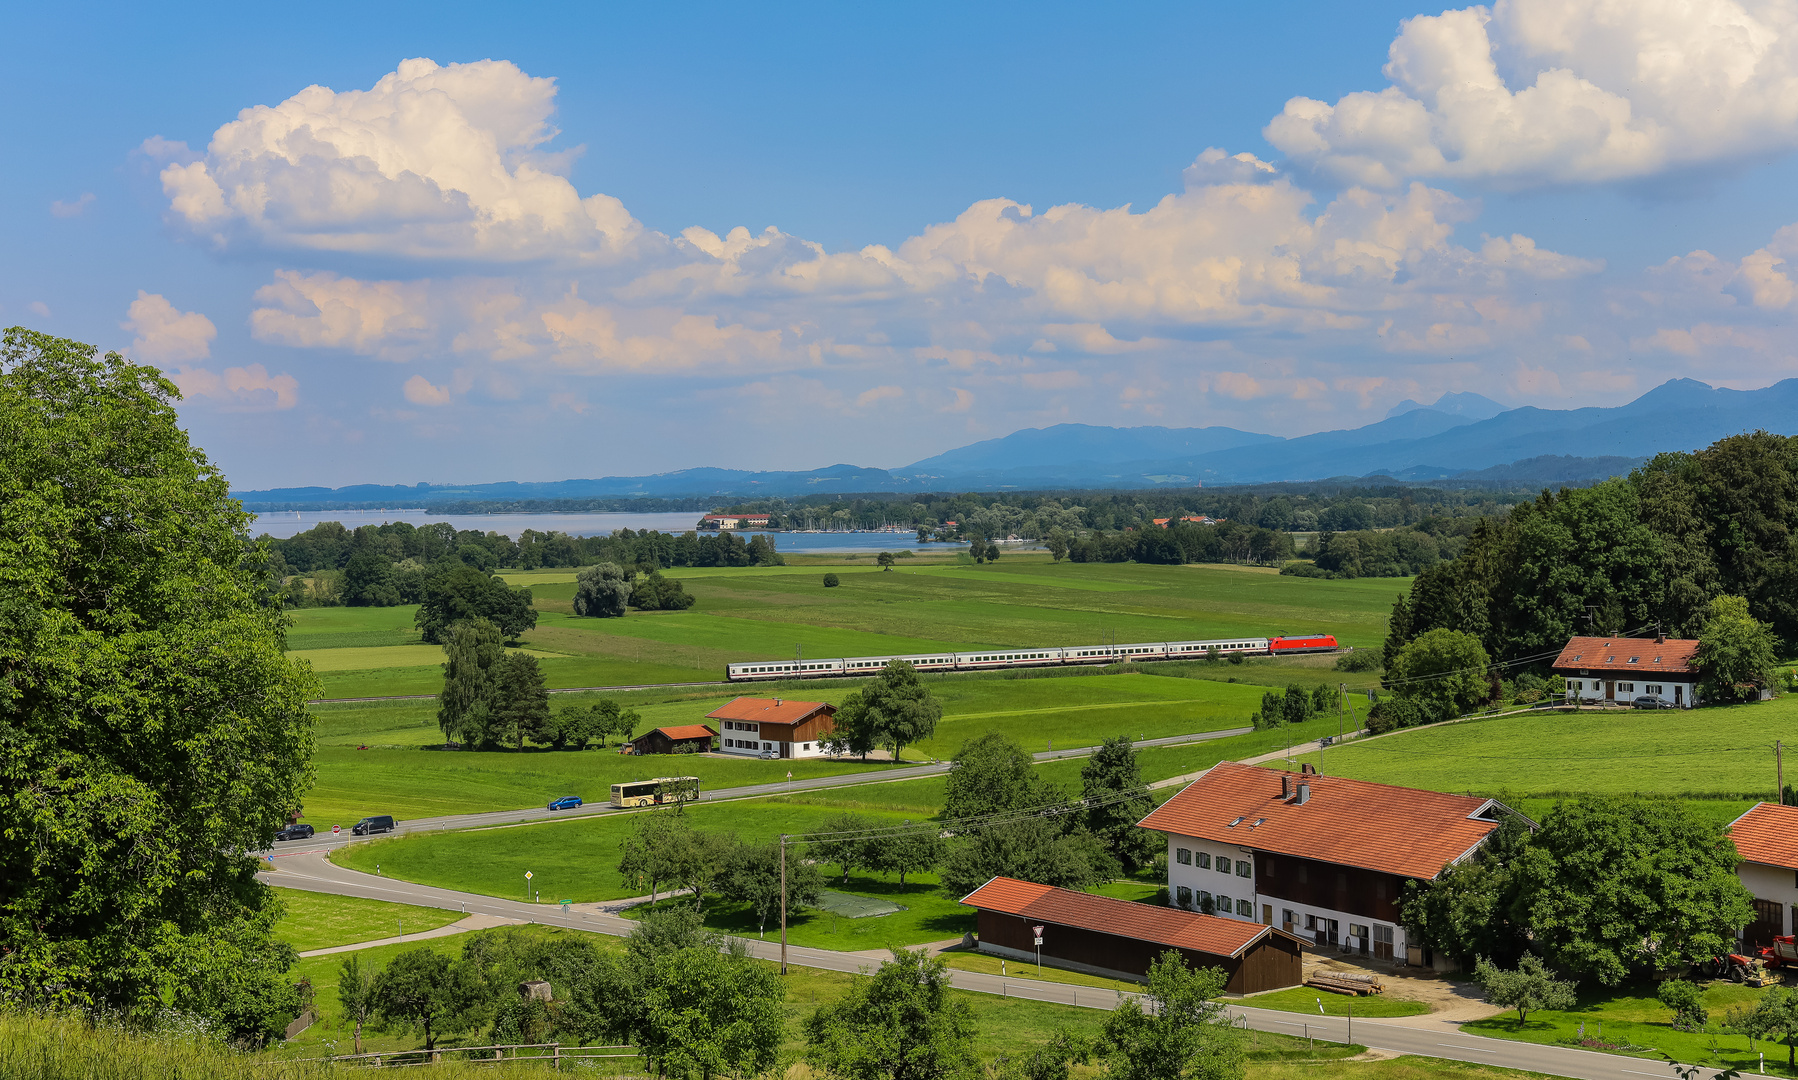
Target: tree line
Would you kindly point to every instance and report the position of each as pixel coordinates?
(695, 1005)
(1658, 547)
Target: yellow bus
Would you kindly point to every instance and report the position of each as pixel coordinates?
(661, 789)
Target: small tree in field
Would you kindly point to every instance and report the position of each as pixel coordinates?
(1185, 1034)
(885, 559)
(831, 581)
(1526, 988)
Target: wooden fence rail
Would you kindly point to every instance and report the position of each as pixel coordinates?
(556, 1054)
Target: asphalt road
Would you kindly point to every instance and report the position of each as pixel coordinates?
(314, 872)
(324, 841)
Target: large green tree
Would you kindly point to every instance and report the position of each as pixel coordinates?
(901, 1023)
(468, 707)
(1614, 887)
(991, 774)
(1473, 908)
(422, 990)
(752, 878)
(899, 708)
(523, 700)
(1115, 800)
(1736, 651)
(1185, 1032)
(602, 590)
(710, 1012)
(154, 733)
(1037, 848)
(1443, 671)
(456, 592)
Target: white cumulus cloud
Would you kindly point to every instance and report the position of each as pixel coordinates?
(165, 334)
(421, 391)
(1550, 92)
(242, 389)
(433, 161)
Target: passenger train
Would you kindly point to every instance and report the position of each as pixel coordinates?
(1023, 658)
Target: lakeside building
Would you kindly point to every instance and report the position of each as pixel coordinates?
(791, 729)
(734, 521)
(1599, 669)
(1321, 857)
(1103, 935)
(1767, 838)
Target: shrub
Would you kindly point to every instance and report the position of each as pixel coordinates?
(1390, 714)
(831, 581)
(1686, 1001)
(1358, 660)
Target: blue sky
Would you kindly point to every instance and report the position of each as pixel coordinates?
(496, 243)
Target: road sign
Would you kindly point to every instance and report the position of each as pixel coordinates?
(1039, 934)
(527, 875)
(335, 829)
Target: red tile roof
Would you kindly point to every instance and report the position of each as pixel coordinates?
(1125, 918)
(1347, 822)
(688, 731)
(760, 710)
(1614, 654)
(1768, 834)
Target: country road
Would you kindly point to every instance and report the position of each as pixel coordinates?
(488, 819)
(313, 871)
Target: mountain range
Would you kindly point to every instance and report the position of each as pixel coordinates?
(1461, 439)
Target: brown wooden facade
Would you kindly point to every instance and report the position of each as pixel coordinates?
(658, 742)
(1370, 893)
(1273, 962)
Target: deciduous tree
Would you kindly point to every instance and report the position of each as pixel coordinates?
(990, 774)
(1527, 987)
(456, 592)
(1116, 799)
(602, 590)
(656, 851)
(155, 730)
(425, 991)
(356, 993)
(752, 878)
(469, 705)
(901, 1023)
(900, 708)
(1184, 1034)
(1038, 848)
(1736, 652)
(1443, 671)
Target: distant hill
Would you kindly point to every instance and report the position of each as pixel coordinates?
(1460, 440)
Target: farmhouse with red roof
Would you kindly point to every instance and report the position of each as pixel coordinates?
(1621, 669)
(1323, 857)
(791, 729)
(1767, 837)
(1107, 936)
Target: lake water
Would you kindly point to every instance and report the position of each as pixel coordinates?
(283, 525)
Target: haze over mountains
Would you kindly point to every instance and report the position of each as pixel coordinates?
(1463, 438)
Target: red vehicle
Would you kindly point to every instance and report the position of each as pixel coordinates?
(1782, 953)
(1302, 643)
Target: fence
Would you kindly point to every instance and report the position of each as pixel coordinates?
(554, 1053)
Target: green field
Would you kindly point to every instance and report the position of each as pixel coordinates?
(320, 921)
(1720, 755)
(925, 606)
(403, 773)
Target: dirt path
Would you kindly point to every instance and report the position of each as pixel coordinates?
(1451, 1003)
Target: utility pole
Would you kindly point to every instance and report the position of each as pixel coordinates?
(1779, 769)
(783, 903)
(1341, 696)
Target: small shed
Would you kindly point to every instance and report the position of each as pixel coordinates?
(686, 738)
(1107, 936)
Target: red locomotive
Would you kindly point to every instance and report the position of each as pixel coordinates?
(1302, 643)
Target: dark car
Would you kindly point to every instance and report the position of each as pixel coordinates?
(370, 825)
(566, 802)
(294, 832)
(1651, 701)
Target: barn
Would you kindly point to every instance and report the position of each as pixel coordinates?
(687, 738)
(1107, 936)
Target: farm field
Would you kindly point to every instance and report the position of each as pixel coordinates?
(403, 774)
(1719, 758)
(321, 921)
(924, 605)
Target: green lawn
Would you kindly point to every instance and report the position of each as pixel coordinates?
(1631, 1017)
(575, 858)
(1721, 754)
(1300, 999)
(320, 921)
(929, 915)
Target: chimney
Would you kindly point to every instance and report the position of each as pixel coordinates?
(1304, 793)
(1285, 786)
(1308, 768)
(777, 703)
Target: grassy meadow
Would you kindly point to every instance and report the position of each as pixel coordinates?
(923, 606)
(1719, 759)
(316, 920)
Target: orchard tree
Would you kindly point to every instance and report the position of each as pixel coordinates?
(1615, 887)
(1034, 848)
(851, 729)
(901, 1023)
(752, 878)
(657, 851)
(915, 850)
(425, 991)
(356, 993)
(156, 732)
(1527, 987)
(468, 706)
(1736, 652)
(1184, 1034)
(709, 1012)
(602, 590)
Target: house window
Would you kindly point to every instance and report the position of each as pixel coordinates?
(1244, 868)
(1185, 896)
(1245, 909)
(807, 746)
(1224, 904)
(1204, 860)
(1627, 687)
(1202, 902)
(1223, 862)
(1183, 856)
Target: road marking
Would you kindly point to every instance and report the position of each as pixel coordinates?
(1632, 1071)
(1475, 1049)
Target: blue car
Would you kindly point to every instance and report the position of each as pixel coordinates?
(566, 802)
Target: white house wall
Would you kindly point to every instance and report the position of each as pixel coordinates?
(1202, 875)
(1775, 883)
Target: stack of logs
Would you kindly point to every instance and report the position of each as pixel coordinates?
(1338, 982)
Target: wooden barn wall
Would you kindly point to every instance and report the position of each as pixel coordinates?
(1269, 964)
(1327, 885)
